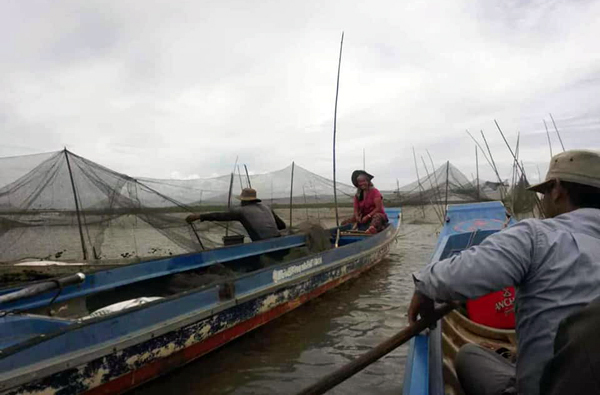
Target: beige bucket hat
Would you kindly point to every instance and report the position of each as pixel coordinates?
(578, 166)
(248, 195)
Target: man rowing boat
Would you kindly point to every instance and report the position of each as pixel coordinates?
(553, 263)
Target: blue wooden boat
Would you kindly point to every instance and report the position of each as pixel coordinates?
(429, 367)
(50, 343)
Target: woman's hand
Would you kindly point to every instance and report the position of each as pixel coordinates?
(365, 219)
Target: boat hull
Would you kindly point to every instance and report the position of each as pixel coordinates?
(128, 361)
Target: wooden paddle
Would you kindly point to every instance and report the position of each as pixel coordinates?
(350, 369)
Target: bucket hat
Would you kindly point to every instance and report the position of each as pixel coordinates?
(578, 166)
(248, 195)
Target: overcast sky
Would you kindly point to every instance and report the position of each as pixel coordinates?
(180, 88)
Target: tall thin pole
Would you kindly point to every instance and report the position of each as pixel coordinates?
(435, 207)
(76, 206)
(447, 182)
(398, 186)
(229, 201)
(291, 193)
(558, 134)
(247, 176)
(364, 162)
(305, 203)
(537, 200)
(419, 183)
(549, 142)
(240, 176)
(337, 88)
(477, 172)
(438, 194)
(493, 164)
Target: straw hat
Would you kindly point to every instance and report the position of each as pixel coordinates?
(578, 166)
(248, 195)
(358, 173)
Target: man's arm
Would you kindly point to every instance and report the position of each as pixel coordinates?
(278, 221)
(232, 215)
(503, 259)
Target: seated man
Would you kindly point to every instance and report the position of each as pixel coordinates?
(554, 263)
(259, 221)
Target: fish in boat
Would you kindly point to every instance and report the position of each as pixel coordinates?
(488, 321)
(121, 327)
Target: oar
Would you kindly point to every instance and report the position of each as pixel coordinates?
(350, 369)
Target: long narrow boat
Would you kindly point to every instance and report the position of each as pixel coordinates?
(54, 342)
(430, 366)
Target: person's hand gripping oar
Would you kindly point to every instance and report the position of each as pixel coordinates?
(416, 326)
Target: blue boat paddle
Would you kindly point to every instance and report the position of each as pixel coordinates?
(350, 369)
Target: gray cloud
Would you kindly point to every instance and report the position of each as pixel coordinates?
(153, 89)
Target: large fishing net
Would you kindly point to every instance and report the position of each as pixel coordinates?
(447, 184)
(59, 206)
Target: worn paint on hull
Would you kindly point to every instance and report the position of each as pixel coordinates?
(124, 369)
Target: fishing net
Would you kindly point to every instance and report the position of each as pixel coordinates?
(446, 184)
(59, 206)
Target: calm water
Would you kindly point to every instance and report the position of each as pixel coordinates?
(298, 348)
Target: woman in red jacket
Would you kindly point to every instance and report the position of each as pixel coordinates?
(368, 204)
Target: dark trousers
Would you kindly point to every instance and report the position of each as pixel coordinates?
(484, 372)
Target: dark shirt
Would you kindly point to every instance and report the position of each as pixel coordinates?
(259, 221)
(575, 367)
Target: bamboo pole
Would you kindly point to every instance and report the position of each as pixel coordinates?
(229, 202)
(83, 248)
(549, 142)
(291, 194)
(240, 176)
(247, 176)
(447, 182)
(537, 200)
(435, 208)
(337, 89)
(502, 195)
(305, 203)
(419, 182)
(364, 162)
(437, 185)
(477, 172)
(558, 134)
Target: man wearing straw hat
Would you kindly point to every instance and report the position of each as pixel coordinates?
(554, 264)
(259, 221)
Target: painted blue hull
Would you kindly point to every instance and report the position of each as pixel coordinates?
(117, 352)
(467, 225)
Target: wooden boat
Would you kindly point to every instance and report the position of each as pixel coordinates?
(50, 343)
(430, 364)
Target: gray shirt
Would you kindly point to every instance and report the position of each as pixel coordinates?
(554, 265)
(259, 221)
